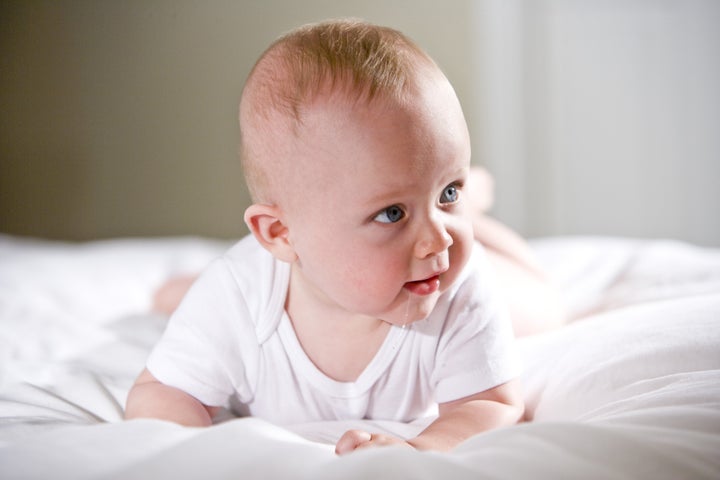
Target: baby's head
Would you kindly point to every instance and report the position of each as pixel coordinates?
(348, 60)
(355, 151)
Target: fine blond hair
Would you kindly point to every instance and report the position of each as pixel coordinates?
(362, 61)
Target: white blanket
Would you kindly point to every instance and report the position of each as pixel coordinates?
(630, 389)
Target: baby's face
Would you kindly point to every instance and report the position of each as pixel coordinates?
(378, 219)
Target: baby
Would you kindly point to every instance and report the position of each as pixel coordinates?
(361, 293)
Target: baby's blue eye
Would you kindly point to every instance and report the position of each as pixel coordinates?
(450, 194)
(390, 215)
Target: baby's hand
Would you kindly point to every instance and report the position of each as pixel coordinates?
(355, 439)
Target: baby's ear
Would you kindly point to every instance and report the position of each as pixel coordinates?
(266, 224)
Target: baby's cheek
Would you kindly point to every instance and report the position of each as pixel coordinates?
(462, 245)
(460, 252)
(369, 279)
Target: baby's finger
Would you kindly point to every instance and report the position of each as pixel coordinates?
(382, 440)
(350, 441)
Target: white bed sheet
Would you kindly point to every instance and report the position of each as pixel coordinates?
(630, 389)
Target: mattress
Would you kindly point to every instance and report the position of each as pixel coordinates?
(630, 388)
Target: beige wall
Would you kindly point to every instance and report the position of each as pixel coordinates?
(601, 117)
(118, 117)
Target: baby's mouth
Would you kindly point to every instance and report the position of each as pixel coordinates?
(424, 287)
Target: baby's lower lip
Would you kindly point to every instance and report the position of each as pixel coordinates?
(424, 287)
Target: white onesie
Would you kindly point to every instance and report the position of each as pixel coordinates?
(231, 343)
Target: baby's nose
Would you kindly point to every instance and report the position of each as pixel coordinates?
(433, 240)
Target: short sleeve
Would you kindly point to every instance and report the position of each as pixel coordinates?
(476, 349)
(209, 345)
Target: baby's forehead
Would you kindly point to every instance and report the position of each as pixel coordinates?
(340, 106)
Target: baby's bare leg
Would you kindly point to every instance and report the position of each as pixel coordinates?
(534, 303)
(168, 296)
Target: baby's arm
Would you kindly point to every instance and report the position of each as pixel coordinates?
(457, 421)
(149, 398)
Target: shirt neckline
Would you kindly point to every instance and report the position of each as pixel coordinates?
(372, 372)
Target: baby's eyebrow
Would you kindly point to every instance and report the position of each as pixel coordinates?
(389, 195)
(392, 191)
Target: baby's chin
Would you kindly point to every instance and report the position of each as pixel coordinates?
(413, 308)
(420, 306)
(418, 302)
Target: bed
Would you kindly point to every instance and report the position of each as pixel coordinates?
(630, 388)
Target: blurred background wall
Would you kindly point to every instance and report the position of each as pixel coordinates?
(600, 117)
